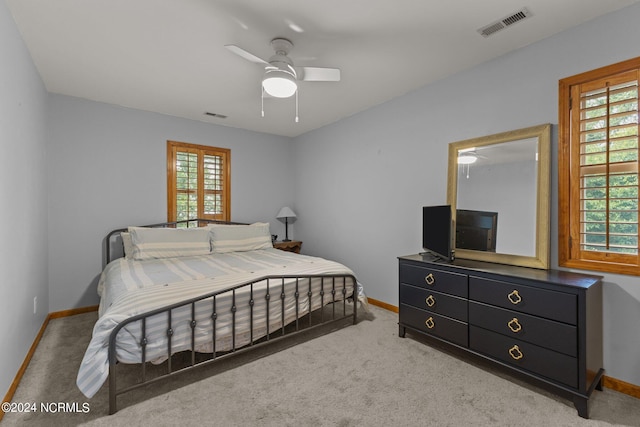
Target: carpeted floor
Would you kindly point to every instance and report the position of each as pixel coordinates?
(362, 375)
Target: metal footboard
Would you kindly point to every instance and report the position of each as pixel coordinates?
(320, 298)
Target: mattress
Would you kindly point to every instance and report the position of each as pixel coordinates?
(128, 288)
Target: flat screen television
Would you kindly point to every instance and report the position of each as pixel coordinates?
(436, 231)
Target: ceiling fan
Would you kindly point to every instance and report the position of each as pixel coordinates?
(467, 157)
(281, 77)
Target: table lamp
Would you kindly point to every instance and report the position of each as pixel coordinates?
(286, 213)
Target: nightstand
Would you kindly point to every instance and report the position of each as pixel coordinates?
(290, 246)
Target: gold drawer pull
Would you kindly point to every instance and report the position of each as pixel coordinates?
(514, 297)
(514, 325)
(515, 353)
(430, 323)
(430, 279)
(430, 301)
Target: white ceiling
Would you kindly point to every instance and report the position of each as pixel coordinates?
(168, 56)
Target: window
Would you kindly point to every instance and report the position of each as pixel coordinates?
(198, 182)
(598, 169)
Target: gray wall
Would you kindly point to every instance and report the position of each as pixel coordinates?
(360, 183)
(23, 214)
(107, 170)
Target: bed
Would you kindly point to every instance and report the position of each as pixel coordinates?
(209, 292)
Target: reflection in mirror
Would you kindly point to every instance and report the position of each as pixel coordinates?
(490, 221)
(499, 190)
(476, 230)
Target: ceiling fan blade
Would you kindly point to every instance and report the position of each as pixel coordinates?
(244, 54)
(315, 74)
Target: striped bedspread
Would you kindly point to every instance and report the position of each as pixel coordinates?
(128, 288)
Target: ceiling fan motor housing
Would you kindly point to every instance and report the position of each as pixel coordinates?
(280, 60)
(281, 46)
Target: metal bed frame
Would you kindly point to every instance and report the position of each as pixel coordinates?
(330, 286)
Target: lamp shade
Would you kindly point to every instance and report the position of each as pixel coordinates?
(286, 212)
(279, 83)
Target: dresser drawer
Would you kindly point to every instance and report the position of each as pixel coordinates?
(441, 281)
(434, 302)
(441, 326)
(554, 305)
(555, 366)
(535, 330)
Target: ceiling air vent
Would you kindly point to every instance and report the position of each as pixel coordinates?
(505, 22)
(216, 115)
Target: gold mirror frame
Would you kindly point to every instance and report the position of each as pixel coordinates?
(543, 134)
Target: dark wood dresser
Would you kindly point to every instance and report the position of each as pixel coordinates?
(544, 325)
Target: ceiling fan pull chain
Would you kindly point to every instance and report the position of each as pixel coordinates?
(297, 118)
(262, 99)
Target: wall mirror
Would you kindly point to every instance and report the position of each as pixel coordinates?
(498, 188)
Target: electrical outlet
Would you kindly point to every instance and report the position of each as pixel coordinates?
(35, 305)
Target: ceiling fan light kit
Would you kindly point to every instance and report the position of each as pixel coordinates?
(279, 83)
(466, 158)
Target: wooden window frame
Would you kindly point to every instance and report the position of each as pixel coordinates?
(570, 255)
(201, 151)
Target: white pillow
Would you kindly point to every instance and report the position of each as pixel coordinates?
(127, 244)
(238, 238)
(151, 243)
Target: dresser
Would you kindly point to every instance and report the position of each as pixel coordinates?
(542, 325)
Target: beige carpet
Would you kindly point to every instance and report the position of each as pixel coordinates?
(363, 375)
